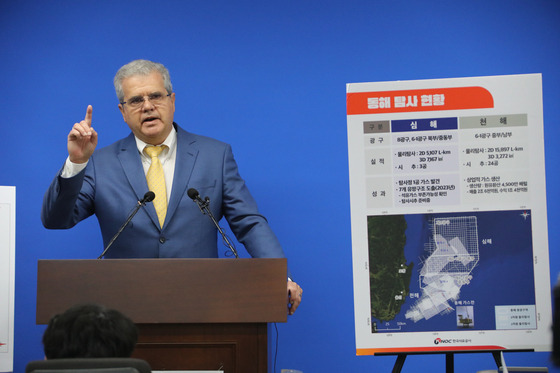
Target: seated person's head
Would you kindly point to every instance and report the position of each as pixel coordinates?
(89, 331)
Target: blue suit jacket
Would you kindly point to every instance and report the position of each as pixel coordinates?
(114, 181)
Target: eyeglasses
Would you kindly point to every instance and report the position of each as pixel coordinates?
(155, 98)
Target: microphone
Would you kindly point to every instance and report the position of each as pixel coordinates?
(203, 206)
(195, 196)
(148, 197)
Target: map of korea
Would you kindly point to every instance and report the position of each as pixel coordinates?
(453, 255)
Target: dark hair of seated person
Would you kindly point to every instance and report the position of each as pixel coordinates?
(87, 331)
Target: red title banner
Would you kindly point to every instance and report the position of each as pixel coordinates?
(418, 100)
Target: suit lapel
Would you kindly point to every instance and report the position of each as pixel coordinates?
(184, 164)
(132, 168)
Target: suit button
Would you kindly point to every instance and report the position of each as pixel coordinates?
(162, 239)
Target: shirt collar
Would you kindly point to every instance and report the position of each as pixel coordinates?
(170, 142)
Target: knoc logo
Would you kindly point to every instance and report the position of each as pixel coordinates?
(439, 340)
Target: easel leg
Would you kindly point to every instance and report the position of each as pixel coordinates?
(449, 363)
(399, 363)
(497, 358)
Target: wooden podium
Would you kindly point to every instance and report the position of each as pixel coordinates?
(192, 314)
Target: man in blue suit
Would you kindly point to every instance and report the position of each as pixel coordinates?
(107, 181)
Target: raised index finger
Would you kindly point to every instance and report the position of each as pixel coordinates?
(89, 112)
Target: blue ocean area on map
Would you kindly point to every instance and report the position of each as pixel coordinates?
(503, 275)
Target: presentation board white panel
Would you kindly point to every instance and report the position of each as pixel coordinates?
(7, 276)
(448, 209)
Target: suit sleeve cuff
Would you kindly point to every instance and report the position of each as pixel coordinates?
(71, 169)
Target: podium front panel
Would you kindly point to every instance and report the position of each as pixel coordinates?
(173, 291)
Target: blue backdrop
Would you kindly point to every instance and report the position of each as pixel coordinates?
(269, 78)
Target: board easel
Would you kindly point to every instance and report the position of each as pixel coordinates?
(449, 358)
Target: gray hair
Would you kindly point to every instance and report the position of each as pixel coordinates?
(140, 67)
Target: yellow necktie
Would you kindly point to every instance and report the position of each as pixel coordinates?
(156, 181)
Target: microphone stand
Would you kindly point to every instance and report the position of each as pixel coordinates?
(138, 206)
(203, 206)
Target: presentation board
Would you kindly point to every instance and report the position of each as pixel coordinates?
(7, 274)
(448, 210)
